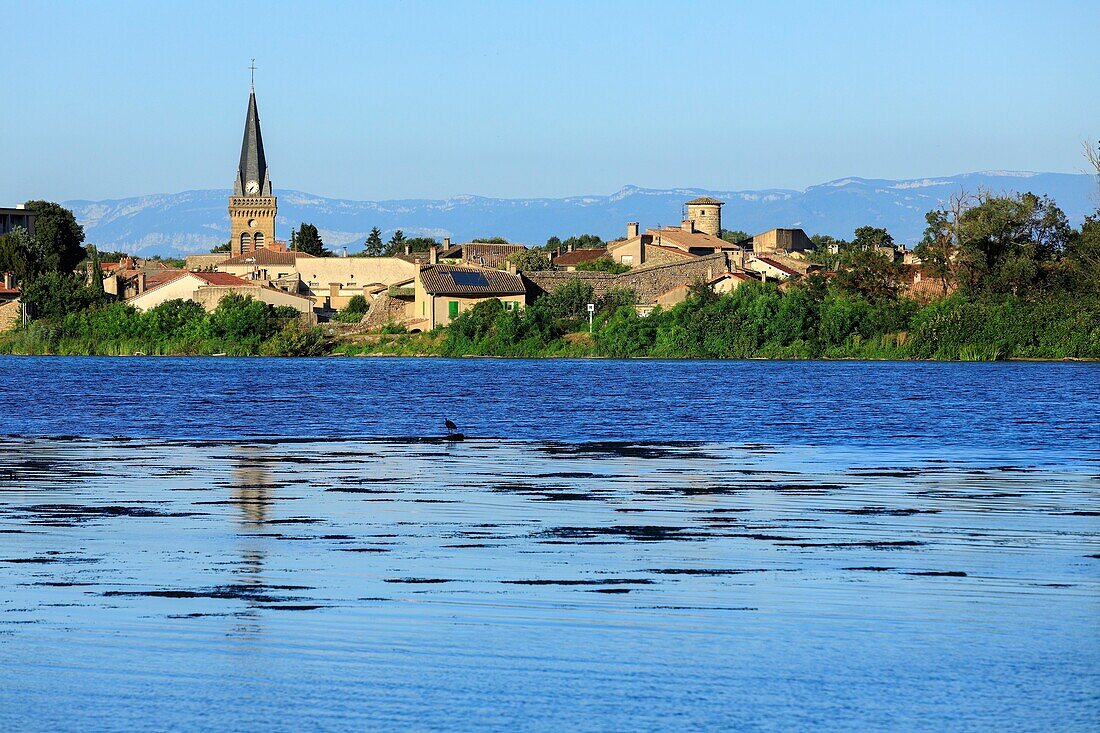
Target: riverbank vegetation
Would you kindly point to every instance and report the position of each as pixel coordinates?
(239, 326)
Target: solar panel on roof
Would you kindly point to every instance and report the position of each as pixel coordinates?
(469, 279)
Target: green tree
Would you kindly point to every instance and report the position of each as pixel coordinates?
(603, 264)
(1009, 244)
(872, 238)
(583, 241)
(553, 243)
(307, 239)
(57, 238)
(95, 272)
(15, 253)
(826, 251)
(869, 273)
(735, 235)
(490, 240)
(570, 301)
(530, 260)
(1082, 258)
(54, 294)
(374, 247)
(936, 251)
(396, 244)
(226, 247)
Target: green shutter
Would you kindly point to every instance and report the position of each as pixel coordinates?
(452, 309)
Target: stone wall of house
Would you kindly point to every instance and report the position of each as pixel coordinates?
(10, 315)
(647, 282)
(655, 256)
(547, 281)
(384, 309)
(205, 262)
(650, 282)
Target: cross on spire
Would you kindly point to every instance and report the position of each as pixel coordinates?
(252, 68)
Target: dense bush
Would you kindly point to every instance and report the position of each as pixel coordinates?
(354, 311)
(238, 326)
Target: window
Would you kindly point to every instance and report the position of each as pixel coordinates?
(509, 305)
(627, 259)
(452, 309)
(246, 242)
(259, 240)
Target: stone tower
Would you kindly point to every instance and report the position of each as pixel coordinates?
(252, 207)
(706, 214)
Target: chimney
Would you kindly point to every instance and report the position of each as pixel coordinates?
(631, 229)
(7, 281)
(570, 248)
(141, 282)
(511, 266)
(408, 249)
(688, 225)
(446, 242)
(433, 255)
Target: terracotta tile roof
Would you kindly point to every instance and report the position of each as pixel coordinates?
(266, 257)
(220, 278)
(9, 291)
(578, 256)
(442, 280)
(489, 255)
(778, 265)
(161, 278)
(705, 200)
(677, 237)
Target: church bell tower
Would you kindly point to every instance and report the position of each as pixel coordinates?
(252, 206)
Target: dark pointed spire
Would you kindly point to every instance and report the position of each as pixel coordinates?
(253, 167)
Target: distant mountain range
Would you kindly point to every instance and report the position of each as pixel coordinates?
(194, 221)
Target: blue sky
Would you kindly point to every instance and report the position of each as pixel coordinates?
(429, 99)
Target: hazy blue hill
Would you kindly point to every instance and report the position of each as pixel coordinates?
(194, 221)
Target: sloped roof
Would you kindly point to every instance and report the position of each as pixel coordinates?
(220, 278)
(705, 200)
(677, 237)
(253, 165)
(441, 280)
(266, 257)
(578, 256)
(488, 254)
(778, 265)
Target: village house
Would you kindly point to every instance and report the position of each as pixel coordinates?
(442, 292)
(480, 254)
(132, 276)
(330, 281)
(11, 310)
(569, 259)
(208, 288)
(777, 266)
(16, 217)
(698, 235)
(778, 240)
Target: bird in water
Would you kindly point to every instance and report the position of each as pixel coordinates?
(451, 430)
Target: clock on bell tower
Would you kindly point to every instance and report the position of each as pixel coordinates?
(252, 207)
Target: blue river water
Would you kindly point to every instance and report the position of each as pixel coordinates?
(269, 544)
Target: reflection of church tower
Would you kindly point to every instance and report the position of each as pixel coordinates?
(252, 207)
